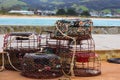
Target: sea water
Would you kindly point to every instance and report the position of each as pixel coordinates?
(51, 21)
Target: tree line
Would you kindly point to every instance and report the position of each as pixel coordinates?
(72, 12)
(68, 11)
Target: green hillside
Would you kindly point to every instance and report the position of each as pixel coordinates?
(11, 3)
(100, 5)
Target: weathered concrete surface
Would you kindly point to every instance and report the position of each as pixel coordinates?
(110, 71)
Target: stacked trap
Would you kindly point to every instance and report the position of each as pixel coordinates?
(76, 47)
(67, 50)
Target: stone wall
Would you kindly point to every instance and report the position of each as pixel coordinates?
(39, 29)
(106, 30)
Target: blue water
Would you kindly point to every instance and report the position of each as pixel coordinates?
(28, 21)
(51, 21)
(106, 22)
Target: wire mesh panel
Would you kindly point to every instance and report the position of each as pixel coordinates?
(19, 43)
(86, 63)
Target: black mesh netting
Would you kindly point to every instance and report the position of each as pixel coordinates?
(15, 59)
(41, 66)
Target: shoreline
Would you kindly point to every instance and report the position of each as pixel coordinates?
(62, 17)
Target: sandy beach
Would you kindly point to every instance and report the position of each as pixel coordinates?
(62, 17)
(33, 16)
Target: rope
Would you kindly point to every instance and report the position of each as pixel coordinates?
(11, 63)
(3, 63)
(74, 51)
(9, 60)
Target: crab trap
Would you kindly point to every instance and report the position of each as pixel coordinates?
(67, 50)
(73, 42)
(17, 44)
(41, 65)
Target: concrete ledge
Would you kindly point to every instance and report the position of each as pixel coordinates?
(106, 54)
